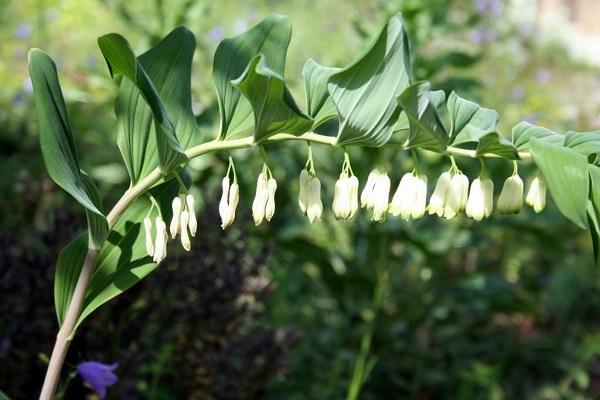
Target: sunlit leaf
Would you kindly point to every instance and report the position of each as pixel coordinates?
(365, 92)
(121, 60)
(524, 131)
(274, 109)
(469, 122)
(270, 38)
(583, 142)
(493, 143)
(169, 67)
(318, 101)
(566, 174)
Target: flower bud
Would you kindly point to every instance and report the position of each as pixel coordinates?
(174, 227)
(511, 197)
(456, 196)
(536, 196)
(160, 243)
(420, 200)
(367, 197)
(148, 234)
(224, 197)
(260, 199)
(314, 208)
(270, 205)
(302, 201)
(438, 198)
(232, 203)
(345, 199)
(476, 203)
(193, 223)
(185, 238)
(352, 184)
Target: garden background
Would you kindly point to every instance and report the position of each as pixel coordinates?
(503, 309)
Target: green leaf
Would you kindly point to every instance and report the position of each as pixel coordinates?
(365, 92)
(566, 175)
(121, 60)
(274, 109)
(469, 122)
(169, 67)
(493, 143)
(58, 146)
(318, 101)
(594, 224)
(270, 38)
(122, 260)
(524, 131)
(427, 130)
(583, 142)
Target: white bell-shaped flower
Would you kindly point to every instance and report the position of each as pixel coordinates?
(177, 207)
(511, 197)
(367, 196)
(456, 196)
(160, 243)
(438, 198)
(314, 208)
(260, 199)
(536, 196)
(193, 222)
(403, 197)
(224, 202)
(185, 237)
(480, 203)
(380, 198)
(420, 199)
(270, 205)
(233, 197)
(148, 236)
(303, 190)
(352, 184)
(345, 198)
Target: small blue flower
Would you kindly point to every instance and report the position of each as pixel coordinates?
(216, 34)
(23, 31)
(99, 376)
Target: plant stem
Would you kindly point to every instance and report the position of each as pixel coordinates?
(67, 330)
(65, 334)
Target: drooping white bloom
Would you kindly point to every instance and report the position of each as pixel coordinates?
(314, 208)
(270, 206)
(176, 206)
(345, 198)
(456, 196)
(438, 198)
(536, 196)
(420, 202)
(511, 197)
(228, 215)
(224, 202)
(380, 198)
(260, 199)
(302, 193)
(185, 238)
(193, 223)
(367, 195)
(160, 243)
(148, 234)
(410, 199)
(480, 202)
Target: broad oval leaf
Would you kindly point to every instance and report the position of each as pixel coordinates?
(426, 129)
(593, 210)
(270, 38)
(583, 142)
(122, 260)
(524, 131)
(121, 60)
(365, 92)
(57, 144)
(274, 109)
(318, 101)
(493, 143)
(169, 67)
(566, 174)
(469, 122)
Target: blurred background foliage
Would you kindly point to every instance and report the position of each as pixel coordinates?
(503, 309)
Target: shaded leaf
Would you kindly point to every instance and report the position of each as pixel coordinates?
(365, 92)
(427, 130)
(274, 109)
(270, 38)
(121, 60)
(168, 66)
(493, 143)
(318, 101)
(566, 175)
(469, 122)
(524, 131)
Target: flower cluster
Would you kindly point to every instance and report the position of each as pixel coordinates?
(263, 206)
(309, 196)
(229, 197)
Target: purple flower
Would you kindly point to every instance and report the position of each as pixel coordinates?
(216, 34)
(492, 8)
(23, 31)
(99, 376)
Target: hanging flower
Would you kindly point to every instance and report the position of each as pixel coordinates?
(160, 243)
(438, 198)
(303, 190)
(480, 203)
(193, 223)
(536, 196)
(229, 202)
(260, 199)
(174, 226)
(456, 195)
(270, 206)
(410, 199)
(185, 238)
(345, 199)
(98, 376)
(511, 197)
(375, 195)
(309, 196)
(148, 236)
